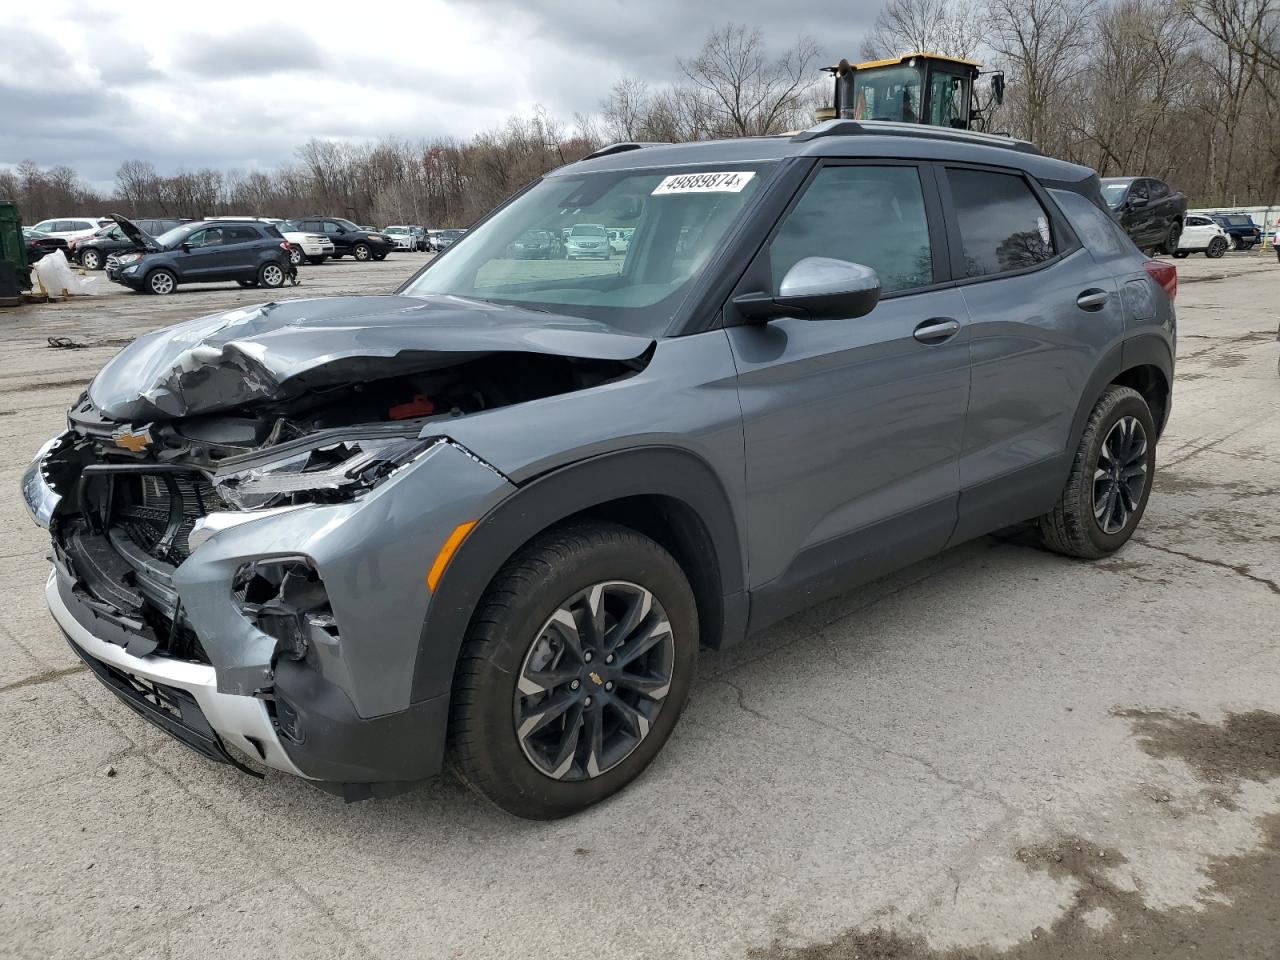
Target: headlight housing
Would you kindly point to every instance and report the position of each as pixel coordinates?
(330, 472)
(128, 257)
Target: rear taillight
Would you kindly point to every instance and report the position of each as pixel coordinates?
(1165, 274)
(284, 245)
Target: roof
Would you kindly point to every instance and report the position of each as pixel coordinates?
(891, 61)
(839, 138)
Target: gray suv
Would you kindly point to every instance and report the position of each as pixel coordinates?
(490, 519)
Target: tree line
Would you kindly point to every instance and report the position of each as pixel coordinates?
(1184, 90)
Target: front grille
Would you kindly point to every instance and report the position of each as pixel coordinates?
(157, 511)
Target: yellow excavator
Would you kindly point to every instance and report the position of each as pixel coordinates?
(928, 88)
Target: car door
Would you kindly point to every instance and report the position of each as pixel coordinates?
(1197, 232)
(201, 259)
(852, 427)
(1042, 312)
(239, 256)
(338, 234)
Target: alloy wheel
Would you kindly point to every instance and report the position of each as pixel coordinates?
(272, 276)
(1120, 476)
(594, 681)
(295, 256)
(161, 283)
(91, 260)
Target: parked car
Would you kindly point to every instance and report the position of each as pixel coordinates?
(249, 252)
(92, 253)
(402, 237)
(1243, 233)
(620, 240)
(1202, 234)
(537, 245)
(496, 519)
(347, 238)
(39, 245)
(447, 238)
(1150, 211)
(72, 229)
(421, 243)
(588, 241)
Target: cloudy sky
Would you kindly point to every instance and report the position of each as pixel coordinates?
(240, 84)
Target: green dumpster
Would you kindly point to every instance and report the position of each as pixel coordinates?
(14, 274)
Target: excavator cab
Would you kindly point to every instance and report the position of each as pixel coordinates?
(926, 88)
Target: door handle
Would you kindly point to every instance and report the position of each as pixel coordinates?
(936, 330)
(1092, 299)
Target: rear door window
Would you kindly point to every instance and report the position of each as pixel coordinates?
(870, 215)
(1003, 227)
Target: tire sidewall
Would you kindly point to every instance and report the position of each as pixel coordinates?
(262, 276)
(91, 260)
(151, 280)
(505, 769)
(295, 256)
(1120, 407)
(1217, 247)
(358, 249)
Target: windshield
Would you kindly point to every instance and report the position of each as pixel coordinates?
(679, 217)
(396, 230)
(1239, 221)
(171, 238)
(347, 223)
(1113, 193)
(891, 93)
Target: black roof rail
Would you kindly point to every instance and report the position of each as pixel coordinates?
(623, 147)
(847, 128)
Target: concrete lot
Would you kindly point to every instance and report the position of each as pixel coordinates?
(999, 748)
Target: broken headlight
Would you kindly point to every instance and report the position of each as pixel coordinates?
(330, 473)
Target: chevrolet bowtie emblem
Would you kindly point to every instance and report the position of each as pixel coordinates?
(133, 442)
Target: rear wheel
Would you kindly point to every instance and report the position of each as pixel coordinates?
(91, 260)
(161, 282)
(574, 672)
(1110, 480)
(295, 256)
(1217, 247)
(271, 275)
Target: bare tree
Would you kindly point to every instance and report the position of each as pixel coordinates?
(625, 109)
(748, 93)
(953, 27)
(1248, 28)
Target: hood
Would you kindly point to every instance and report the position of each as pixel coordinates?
(278, 351)
(141, 239)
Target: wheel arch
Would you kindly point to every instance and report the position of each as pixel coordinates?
(1144, 362)
(666, 493)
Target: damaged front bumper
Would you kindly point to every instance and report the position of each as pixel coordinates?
(336, 710)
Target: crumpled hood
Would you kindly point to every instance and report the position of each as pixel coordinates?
(277, 351)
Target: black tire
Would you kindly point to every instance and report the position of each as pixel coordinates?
(1181, 254)
(1217, 247)
(91, 260)
(361, 252)
(1072, 527)
(509, 624)
(272, 275)
(316, 261)
(247, 283)
(161, 282)
(1170, 244)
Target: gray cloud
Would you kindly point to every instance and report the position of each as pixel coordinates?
(251, 52)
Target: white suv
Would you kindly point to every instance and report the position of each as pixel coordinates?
(72, 229)
(1202, 235)
(315, 248)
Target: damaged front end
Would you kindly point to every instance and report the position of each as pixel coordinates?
(226, 553)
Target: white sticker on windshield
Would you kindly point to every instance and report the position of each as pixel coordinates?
(731, 182)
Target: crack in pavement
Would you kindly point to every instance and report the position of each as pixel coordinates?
(1241, 569)
(45, 677)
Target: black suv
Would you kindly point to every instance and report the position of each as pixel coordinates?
(1150, 211)
(250, 253)
(92, 254)
(1244, 233)
(347, 237)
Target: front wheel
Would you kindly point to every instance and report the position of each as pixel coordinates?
(161, 282)
(1110, 480)
(574, 672)
(1217, 247)
(362, 251)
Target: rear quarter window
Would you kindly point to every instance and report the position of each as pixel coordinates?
(1096, 229)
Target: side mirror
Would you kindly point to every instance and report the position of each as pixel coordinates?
(816, 288)
(186, 247)
(342, 230)
(1135, 202)
(997, 87)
